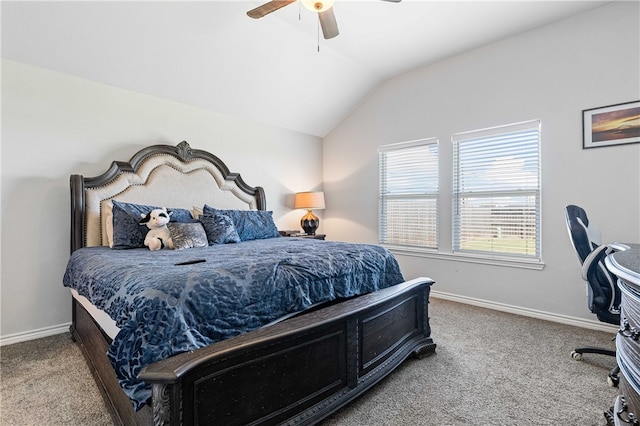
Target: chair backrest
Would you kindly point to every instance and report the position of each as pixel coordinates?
(604, 295)
(578, 227)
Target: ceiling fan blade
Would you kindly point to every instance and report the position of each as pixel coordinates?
(394, 1)
(267, 8)
(328, 23)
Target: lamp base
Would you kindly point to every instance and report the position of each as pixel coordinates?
(310, 223)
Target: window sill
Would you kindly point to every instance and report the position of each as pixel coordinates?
(467, 257)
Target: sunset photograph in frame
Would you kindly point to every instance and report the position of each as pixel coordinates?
(611, 125)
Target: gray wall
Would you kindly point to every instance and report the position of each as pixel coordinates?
(54, 125)
(552, 74)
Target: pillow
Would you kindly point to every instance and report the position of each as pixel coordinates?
(196, 212)
(187, 235)
(250, 224)
(219, 229)
(107, 222)
(127, 231)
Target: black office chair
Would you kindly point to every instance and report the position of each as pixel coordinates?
(603, 292)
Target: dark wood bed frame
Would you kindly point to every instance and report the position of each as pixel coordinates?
(296, 372)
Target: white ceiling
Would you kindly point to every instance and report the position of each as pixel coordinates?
(210, 54)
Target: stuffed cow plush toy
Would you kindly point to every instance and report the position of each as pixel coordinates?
(158, 235)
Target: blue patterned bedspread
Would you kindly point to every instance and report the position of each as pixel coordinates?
(164, 309)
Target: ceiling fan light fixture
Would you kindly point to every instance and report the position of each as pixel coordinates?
(318, 5)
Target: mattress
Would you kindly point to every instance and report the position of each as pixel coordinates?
(104, 321)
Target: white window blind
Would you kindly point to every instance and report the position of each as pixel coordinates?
(408, 194)
(496, 194)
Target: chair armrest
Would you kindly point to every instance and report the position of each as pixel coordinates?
(591, 261)
(599, 279)
(598, 254)
(618, 247)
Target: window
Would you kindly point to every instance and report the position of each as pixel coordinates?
(408, 200)
(496, 194)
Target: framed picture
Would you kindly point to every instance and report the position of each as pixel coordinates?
(611, 125)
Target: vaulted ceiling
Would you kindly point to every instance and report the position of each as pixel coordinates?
(210, 54)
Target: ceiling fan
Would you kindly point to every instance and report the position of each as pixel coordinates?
(324, 9)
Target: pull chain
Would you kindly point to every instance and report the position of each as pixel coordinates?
(318, 29)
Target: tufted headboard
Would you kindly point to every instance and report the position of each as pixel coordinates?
(160, 175)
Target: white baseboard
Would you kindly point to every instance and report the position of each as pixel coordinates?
(34, 334)
(562, 319)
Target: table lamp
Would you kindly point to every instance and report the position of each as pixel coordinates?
(309, 200)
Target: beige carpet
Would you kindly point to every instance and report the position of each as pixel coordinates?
(490, 368)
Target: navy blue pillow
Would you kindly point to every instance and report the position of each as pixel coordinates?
(127, 231)
(219, 229)
(250, 224)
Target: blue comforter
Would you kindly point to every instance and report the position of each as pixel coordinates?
(163, 309)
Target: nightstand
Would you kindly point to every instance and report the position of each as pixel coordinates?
(315, 237)
(290, 235)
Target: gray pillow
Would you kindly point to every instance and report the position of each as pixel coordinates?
(187, 235)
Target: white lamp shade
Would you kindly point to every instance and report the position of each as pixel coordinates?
(309, 200)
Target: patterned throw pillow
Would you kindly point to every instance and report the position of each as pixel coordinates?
(250, 224)
(127, 231)
(219, 229)
(187, 235)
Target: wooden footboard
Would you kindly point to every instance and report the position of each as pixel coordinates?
(297, 371)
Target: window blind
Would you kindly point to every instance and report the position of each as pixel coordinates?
(408, 194)
(496, 194)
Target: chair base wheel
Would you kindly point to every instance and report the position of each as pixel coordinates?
(613, 377)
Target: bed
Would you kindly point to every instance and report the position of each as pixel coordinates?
(300, 327)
